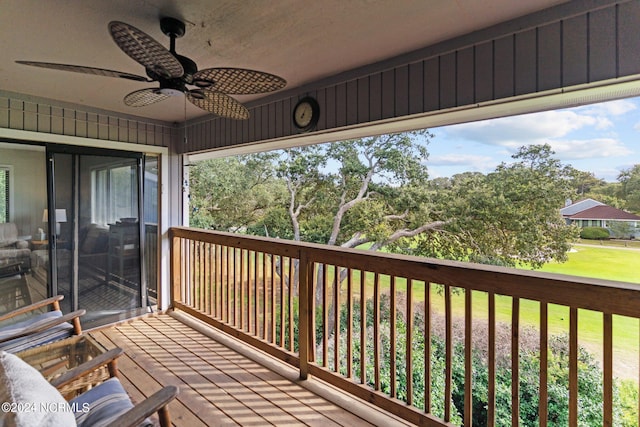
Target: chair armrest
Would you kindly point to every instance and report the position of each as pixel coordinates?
(44, 326)
(32, 307)
(97, 362)
(157, 402)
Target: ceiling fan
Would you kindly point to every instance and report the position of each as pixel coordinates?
(175, 73)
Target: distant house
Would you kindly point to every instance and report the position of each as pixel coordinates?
(592, 213)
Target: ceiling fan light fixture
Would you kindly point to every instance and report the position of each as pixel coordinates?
(168, 91)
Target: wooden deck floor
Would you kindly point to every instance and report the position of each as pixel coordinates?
(218, 386)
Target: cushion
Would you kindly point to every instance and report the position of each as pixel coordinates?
(8, 232)
(29, 398)
(8, 243)
(106, 401)
(55, 333)
(95, 239)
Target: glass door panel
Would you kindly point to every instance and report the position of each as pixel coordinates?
(98, 249)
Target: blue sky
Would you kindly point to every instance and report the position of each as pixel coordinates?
(600, 138)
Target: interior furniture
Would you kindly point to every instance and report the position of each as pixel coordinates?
(39, 244)
(106, 404)
(93, 243)
(124, 249)
(29, 326)
(13, 249)
(14, 287)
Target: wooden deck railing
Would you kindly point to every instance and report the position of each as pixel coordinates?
(366, 322)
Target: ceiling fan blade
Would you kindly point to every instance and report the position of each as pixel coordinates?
(144, 97)
(86, 70)
(218, 103)
(145, 50)
(238, 81)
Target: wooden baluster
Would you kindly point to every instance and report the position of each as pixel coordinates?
(349, 323)
(248, 293)
(491, 359)
(208, 282)
(363, 328)
(282, 306)
(236, 302)
(376, 330)
(219, 282)
(448, 353)
(273, 299)
(409, 342)
(468, 356)
(544, 364)
(192, 275)
(515, 362)
(242, 284)
(256, 298)
(392, 337)
(573, 367)
(305, 315)
(264, 295)
(325, 316)
(290, 297)
(177, 274)
(336, 316)
(201, 281)
(427, 347)
(607, 367)
(312, 311)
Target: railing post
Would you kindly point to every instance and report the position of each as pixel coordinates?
(176, 268)
(304, 313)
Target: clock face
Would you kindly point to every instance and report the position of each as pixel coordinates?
(303, 114)
(306, 113)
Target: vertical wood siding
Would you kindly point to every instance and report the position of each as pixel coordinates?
(583, 48)
(36, 116)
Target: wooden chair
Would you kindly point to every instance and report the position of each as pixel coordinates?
(133, 416)
(28, 326)
(106, 404)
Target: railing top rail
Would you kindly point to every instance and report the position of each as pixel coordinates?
(594, 294)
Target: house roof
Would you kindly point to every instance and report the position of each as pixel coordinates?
(579, 206)
(605, 212)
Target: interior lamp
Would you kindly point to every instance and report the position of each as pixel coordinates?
(61, 216)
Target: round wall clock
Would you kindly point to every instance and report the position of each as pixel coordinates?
(306, 114)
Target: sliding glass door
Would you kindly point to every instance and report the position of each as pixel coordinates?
(97, 236)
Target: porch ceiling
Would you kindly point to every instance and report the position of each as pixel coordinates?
(302, 41)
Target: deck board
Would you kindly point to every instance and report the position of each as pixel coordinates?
(218, 386)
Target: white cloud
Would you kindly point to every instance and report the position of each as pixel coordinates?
(526, 129)
(589, 148)
(611, 108)
(469, 161)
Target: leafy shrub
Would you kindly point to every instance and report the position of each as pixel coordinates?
(594, 233)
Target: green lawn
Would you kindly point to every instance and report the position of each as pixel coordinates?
(604, 262)
(588, 261)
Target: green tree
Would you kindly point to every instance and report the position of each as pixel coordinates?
(231, 193)
(509, 216)
(630, 187)
(374, 192)
(584, 182)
